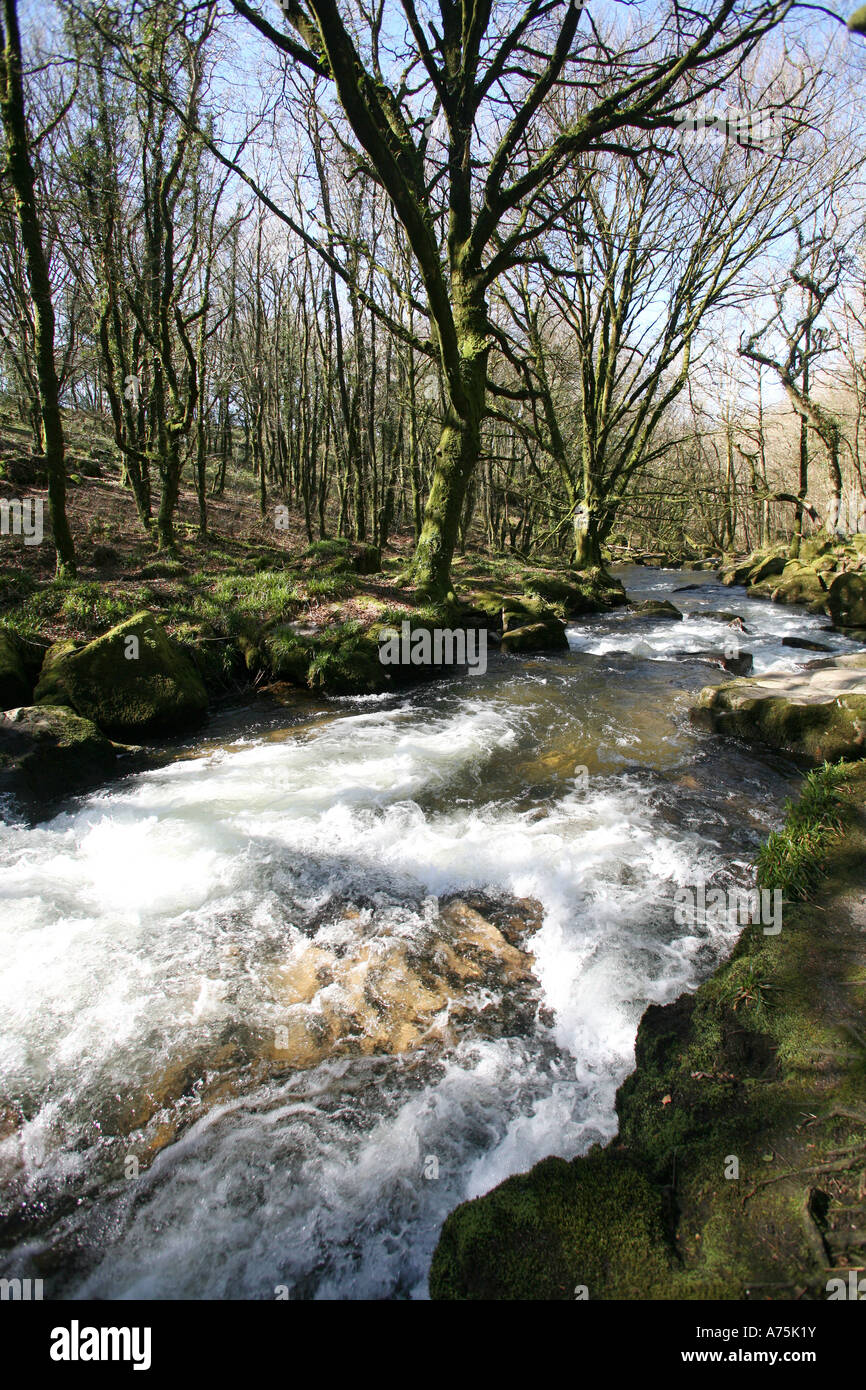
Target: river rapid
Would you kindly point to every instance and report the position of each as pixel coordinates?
(146, 1153)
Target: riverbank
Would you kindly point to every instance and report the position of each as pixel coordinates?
(739, 1167)
(827, 576)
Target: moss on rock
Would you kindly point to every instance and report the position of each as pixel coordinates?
(545, 636)
(846, 600)
(819, 714)
(132, 681)
(49, 752)
(595, 1224)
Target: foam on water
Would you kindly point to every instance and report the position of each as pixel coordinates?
(766, 625)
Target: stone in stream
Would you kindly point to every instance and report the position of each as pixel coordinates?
(545, 636)
(818, 714)
(48, 752)
(381, 993)
(804, 644)
(721, 615)
(656, 608)
(738, 665)
(132, 681)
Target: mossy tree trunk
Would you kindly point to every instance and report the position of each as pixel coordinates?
(22, 177)
(457, 452)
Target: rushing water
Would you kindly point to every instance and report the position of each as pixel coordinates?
(142, 927)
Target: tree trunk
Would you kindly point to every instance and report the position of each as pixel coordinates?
(22, 177)
(458, 450)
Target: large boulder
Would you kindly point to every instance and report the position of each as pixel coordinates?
(48, 752)
(15, 688)
(799, 584)
(574, 593)
(846, 600)
(774, 564)
(133, 681)
(545, 636)
(657, 608)
(819, 714)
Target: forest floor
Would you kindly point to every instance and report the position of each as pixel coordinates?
(255, 599)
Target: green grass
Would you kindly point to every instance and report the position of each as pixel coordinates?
(793, 858)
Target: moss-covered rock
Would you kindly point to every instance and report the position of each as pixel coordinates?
(367, 560)
(15, 687)
(575, 592)
(50, 752)
(765, 562)
(799, 584)
(818, 714)
(657, 608)
(765, 569)
(545, 636)
(593, 1228)
(846, 600)
(133, 681)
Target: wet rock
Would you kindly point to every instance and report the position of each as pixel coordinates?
(804, 644)
(379, 994)
(657, 608)
(819, 714)
(49, 752)
(721, 615)
(738, 665)
(133, 681)
(547, 635)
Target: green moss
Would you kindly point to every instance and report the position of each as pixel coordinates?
(131, 682)
(595, 1225)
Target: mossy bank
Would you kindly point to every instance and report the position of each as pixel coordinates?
(736, 1172)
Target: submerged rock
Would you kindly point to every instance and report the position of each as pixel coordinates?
(48, 752)
(377, 992)
(819, 714)
(132, 681)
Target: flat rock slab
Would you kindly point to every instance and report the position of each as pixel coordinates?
(818, 714)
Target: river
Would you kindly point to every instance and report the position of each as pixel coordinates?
(145, 929)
